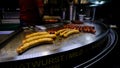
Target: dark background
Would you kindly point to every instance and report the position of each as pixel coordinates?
(109, 13)
(9, 4)
(112, 60)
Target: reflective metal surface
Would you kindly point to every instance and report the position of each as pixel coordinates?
(8, 53)
(112, 41)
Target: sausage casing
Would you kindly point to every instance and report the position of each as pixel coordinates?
(26, 46)
(73, 31)
(35, 34)
(39, 37)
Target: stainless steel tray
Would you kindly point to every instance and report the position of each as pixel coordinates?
(8, 52)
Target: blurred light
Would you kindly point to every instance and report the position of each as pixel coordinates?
(102, 2)
(98, 2)
(93, 5)
(6, 32)
(84, 1)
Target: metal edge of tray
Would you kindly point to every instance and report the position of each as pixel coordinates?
(6, 40)
(104, 34)
(24, 62)
(57, 53)
(113, 39)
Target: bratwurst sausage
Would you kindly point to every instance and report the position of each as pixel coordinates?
(33, 43)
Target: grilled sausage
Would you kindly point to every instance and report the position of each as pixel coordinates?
(59, 31)
(72, 31)
(39, 37)
(34, 34)
(26, 46)
(62, 33)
